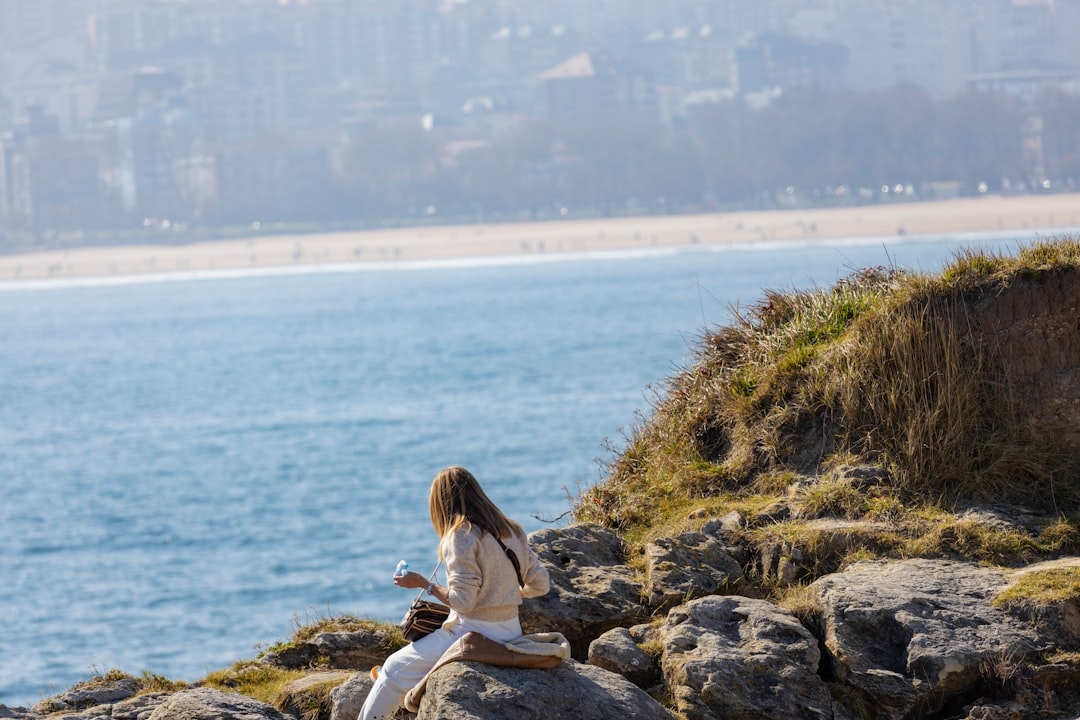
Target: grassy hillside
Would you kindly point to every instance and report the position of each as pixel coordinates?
(889, 371)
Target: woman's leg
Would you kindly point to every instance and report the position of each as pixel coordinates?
(402, 671)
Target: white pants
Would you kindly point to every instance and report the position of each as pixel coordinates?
(411, 663)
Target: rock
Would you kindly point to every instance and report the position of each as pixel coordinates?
(864, 477)
(911, 637)
(727, 527)
(830, 540)
(592, 589)
(737, 657)
(17, 712)
(776, 512)
(686, 567)
(616, 651)
(139, 707)
(350, 650)
(474, 691)
(205, 703)
(1006, 711)
(310, 696)
(348, 697)
(1046, 692)
(1003, 519)
(87, 695)
(1053, 688)
(643, 633)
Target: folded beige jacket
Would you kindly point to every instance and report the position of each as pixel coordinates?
(538, 650)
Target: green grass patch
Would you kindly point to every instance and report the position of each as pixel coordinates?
(1042, 587)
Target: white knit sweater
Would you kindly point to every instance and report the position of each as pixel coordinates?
(481, 579)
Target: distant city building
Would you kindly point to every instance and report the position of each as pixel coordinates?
(49, 182)
(60, 90)
(28, 24)
(7, 150)
(252, 85)
(592, 84)
(941, 45)
(772, 60)
(166, 100)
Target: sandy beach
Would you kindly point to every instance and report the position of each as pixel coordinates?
(1039, 214)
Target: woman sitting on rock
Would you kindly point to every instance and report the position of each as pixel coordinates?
(481, 584)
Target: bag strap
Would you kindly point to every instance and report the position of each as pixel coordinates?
(431, 579)
(513, 559)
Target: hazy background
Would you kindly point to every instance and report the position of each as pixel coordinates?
(174, 119)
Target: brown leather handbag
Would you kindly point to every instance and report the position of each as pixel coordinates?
(423, 616)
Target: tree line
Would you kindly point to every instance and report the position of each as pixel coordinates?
(843, 147)
(809, 147)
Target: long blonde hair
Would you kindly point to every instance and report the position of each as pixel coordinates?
(456, 498)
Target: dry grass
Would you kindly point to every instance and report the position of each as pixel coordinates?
(254, 679)
(882, 369)
(837, 497)
(314, 701)
(803, 603)
(307, 628)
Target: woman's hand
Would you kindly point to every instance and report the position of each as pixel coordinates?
(411, 580)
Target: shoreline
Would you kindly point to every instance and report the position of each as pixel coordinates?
(377, 248)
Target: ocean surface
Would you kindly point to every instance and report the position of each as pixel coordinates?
(190, 466)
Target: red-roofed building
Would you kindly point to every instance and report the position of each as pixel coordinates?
(593, 83)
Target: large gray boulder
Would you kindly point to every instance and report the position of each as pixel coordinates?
(205, 703)
(348, 697)
(909, 638)
(689, 566)
(737, 657)
(474, 691)
(592, 588)
(140, 707)
(88, 695)
(617, 651)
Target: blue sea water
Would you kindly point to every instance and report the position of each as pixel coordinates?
(191, 466)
